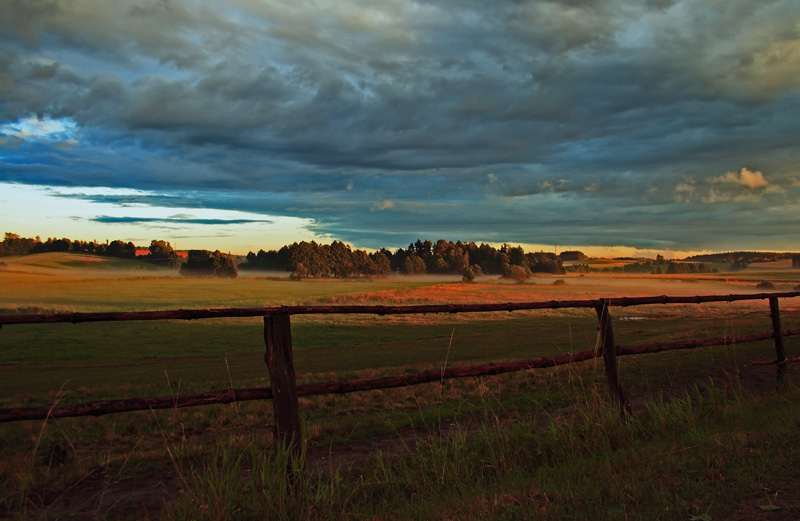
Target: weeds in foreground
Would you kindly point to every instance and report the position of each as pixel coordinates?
(697, 455)
(714, 451)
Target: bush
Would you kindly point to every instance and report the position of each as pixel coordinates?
(514, 272)
(765, 285)
(559, 282)
(468, 276)
(471, 272)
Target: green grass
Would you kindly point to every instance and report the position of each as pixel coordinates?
(204, 355)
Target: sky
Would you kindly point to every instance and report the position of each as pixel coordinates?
(602, 125)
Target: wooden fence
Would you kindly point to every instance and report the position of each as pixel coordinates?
(284, 391)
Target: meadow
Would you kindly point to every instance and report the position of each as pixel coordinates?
(528, 444)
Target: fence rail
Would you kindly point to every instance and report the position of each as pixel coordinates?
(284, 392)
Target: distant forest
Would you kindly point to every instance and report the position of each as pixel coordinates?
(310, 259)
(13, 244)
(746, 257)
(338, 260)
(196, 262)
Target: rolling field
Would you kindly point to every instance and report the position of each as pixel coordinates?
(85, 465)
(37, 360)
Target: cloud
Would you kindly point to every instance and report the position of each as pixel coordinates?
(173, 220)
(745, 177)
(386, 204)
(684, 191)
(319, 110)
(718, 197)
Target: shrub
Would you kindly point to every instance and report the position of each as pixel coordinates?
(765, 285)
(470, 272)
(514, 272)
(468, 276)
(559, 282)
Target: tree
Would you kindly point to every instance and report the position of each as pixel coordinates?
(468, 276)
(437, 264)
(544, 263)
(518, 273)
(203, 263)
(516, 255)
(413, 266)
(422, 248)
(308, 259)
(116, 249)
(381, 263)
(470, 272)
(160, 250)
(572, 255)
(578, 268)
(13, 244)
(674, 268)
(54, 244)
(363, 265)
(341, 260)
(271, 260)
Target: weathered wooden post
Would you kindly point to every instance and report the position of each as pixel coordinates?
(780, 354)
(278, 337)
(609, 350)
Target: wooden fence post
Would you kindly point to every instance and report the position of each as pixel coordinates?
(780, 354)
(609, 350)
(278, 337)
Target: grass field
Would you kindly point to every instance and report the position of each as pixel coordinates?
(86, 466)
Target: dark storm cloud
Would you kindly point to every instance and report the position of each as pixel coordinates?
(602, 122)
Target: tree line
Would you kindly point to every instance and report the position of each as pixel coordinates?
(659, 266)
(197, 262)
(13, 244)
(312, 259)
(339, 260)
(742, 257)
